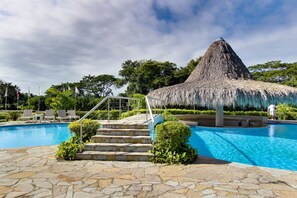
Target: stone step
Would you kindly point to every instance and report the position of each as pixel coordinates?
(124, 147)
(124, 126)
(124, 132)
(121, 139)
(114, 156)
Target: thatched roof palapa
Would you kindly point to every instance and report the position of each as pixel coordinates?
(221, 79)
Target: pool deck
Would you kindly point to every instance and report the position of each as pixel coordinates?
(34, 172)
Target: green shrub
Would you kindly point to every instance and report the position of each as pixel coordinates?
(67, 150)
(168, 116)
(131, 113)
(95, 115)
(114, 115)
(81, 113)
(4, 117)
(100, 115)
(142, 102)
(171, 145)
(286, 112)
(89, 128)
(14, 115)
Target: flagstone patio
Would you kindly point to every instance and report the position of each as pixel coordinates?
(34, 172)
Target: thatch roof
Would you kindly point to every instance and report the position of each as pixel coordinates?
(222, 78)
(220, 62)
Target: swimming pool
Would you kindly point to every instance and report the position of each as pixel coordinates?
(33, 135)
(273, 146)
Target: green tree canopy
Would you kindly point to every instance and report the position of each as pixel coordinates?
(99, 86)
(60, 100)
(146, 75)
(36, 101)
(90, 89)
(276, 72)
(11, 94)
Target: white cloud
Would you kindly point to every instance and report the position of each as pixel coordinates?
(265, 46)
(50, 42)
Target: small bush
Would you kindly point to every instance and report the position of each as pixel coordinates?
(168, 116)
(67, 150)
(114, 115)
(131, 113)
(13, 115)
(89, 128)
(4, 117)
(142, 102)
(171, 145)
(286, 112)
(81, 113)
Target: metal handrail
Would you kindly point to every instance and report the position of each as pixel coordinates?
(151, 115)
(95, 107)
(150, 112)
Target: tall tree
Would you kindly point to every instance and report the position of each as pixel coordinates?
(35, 100)
(128, 70)
(144, 76)
(276, 72)
(59, 100)
(11, 94)
(99, 86)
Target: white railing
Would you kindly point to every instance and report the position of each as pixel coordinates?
(108, 110)
(149, 113)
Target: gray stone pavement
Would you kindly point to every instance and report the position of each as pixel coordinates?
(34, 172)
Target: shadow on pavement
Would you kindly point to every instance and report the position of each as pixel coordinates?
(207, 160)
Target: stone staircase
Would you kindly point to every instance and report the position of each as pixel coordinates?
(119, 142)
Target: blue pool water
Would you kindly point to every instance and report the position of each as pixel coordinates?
(33, 135)
(274, 146)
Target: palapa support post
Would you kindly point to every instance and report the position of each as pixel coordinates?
(219, 115)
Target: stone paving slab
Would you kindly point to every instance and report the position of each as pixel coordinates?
(34, 172)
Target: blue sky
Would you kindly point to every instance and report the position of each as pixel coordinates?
(49, 42)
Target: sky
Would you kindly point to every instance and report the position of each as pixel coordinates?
(49, 42)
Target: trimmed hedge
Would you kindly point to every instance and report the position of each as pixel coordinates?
(198, 112)
(89, 128)
(101, 114)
